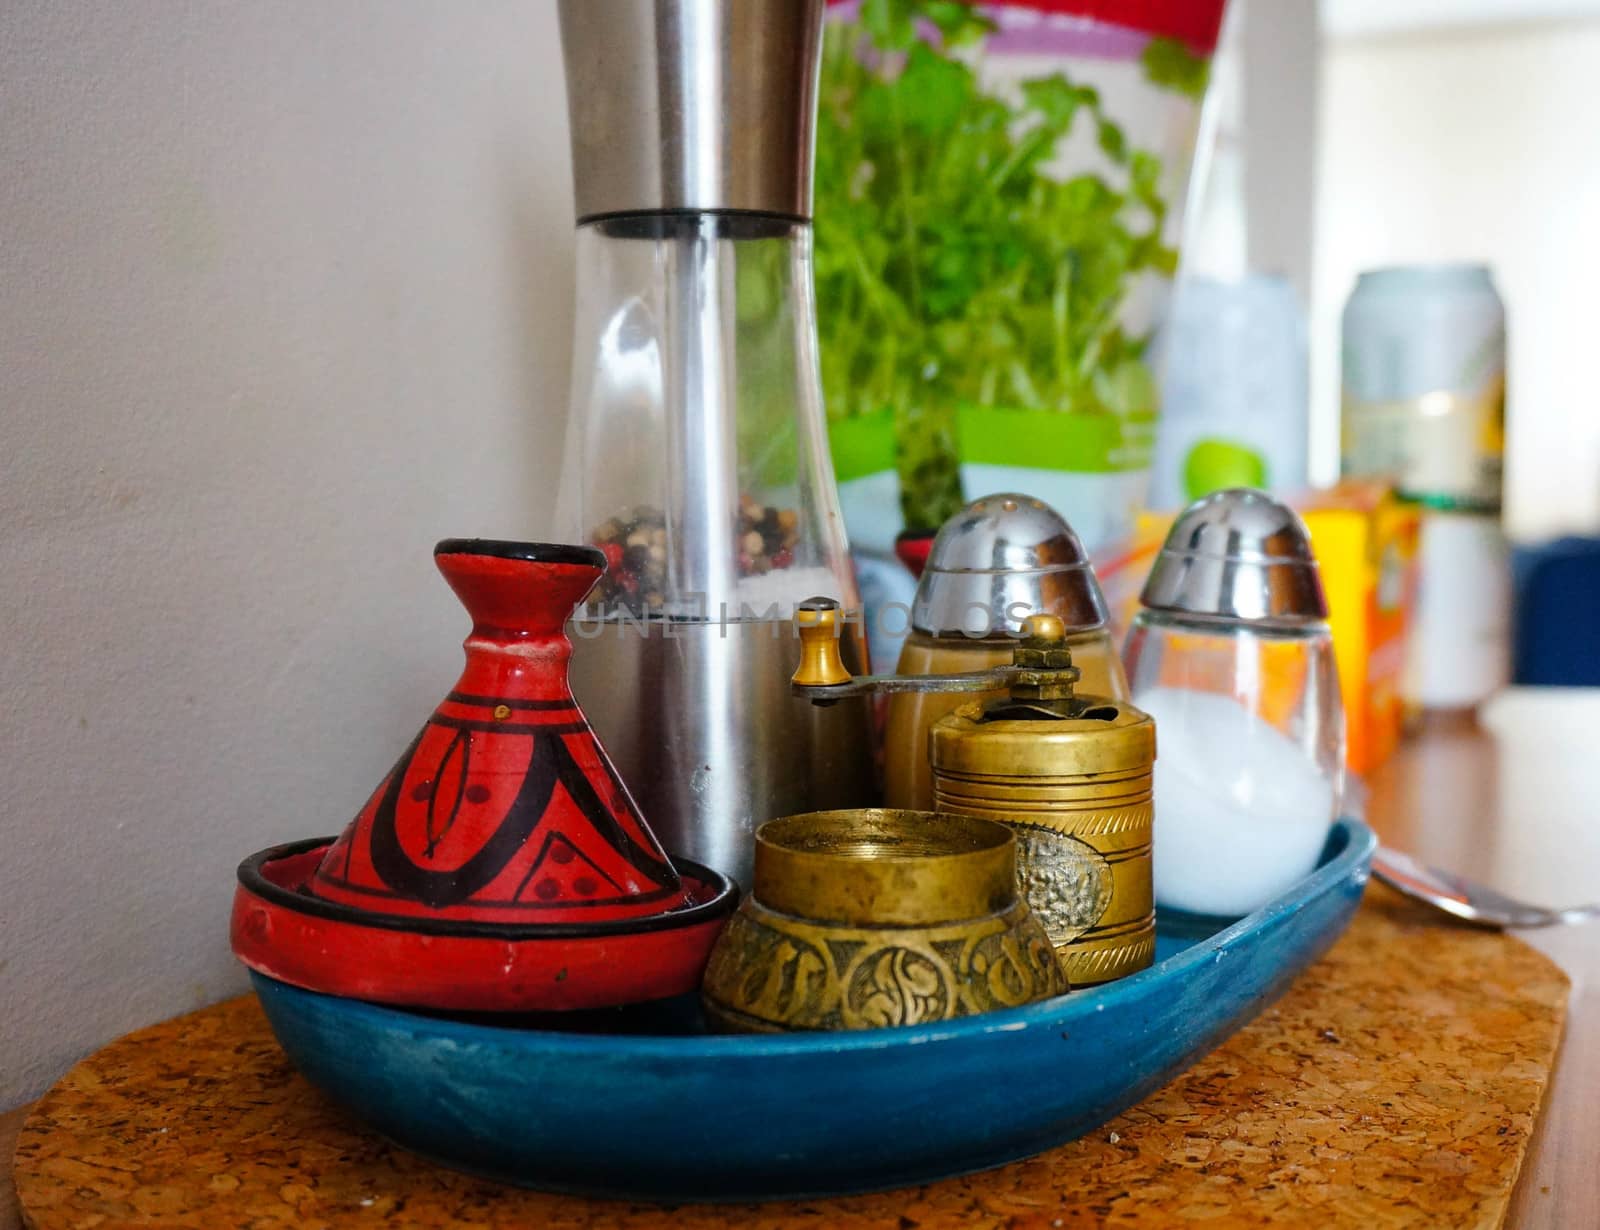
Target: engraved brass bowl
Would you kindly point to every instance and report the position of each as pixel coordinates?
(867, 918)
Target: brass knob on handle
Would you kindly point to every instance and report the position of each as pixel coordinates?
(1044, 627)
(1044, 663)
(821, 664)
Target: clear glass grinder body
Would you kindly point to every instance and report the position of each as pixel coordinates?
(695, 457)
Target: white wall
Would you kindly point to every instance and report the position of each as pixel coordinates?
(1355, 18)
(1252, 202)
(1282, 97)
(284, 297)
(1481, 145)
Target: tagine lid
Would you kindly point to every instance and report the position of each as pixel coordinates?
(505, 809)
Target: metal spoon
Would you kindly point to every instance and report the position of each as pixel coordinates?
(1462, 898)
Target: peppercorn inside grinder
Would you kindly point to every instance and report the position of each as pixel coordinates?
(1069, 773)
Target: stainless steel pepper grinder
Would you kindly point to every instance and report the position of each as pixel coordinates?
(696, 455)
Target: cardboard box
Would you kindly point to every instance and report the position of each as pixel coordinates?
(1366, 546)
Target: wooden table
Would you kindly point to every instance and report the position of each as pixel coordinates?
(1513, 802)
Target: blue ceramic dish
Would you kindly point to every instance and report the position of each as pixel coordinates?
(676, 1115)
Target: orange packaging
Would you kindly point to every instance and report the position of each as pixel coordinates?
(1366, 546)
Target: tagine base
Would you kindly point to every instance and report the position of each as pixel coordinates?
(280, 930)
(1396, 1083)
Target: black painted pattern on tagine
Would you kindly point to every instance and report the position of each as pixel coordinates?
(551, 763)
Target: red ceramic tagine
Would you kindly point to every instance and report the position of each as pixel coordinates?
(504, 809)
(501, 865)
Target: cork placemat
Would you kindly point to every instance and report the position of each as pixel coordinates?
(1395, 1085)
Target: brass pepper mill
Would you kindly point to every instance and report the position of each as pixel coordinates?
(1069, 773)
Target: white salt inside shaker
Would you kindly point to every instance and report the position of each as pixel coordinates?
(1241, 812)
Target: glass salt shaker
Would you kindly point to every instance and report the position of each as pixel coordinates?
(1232, 656)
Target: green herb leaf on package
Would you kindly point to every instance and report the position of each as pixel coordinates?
(1168, 62)
(954, 268)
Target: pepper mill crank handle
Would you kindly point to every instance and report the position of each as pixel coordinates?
(822, 677)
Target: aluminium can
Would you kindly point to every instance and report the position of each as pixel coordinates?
(1424, 380)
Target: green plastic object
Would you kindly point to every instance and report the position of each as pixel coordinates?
(1216, 465)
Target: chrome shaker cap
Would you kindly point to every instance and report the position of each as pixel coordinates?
(999, 560)
(692, 104)
(1238, 555)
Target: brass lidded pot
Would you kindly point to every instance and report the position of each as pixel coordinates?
(1069, 773)
(866, 918)
(996, 562)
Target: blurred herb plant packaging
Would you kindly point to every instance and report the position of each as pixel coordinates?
(998, 189)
